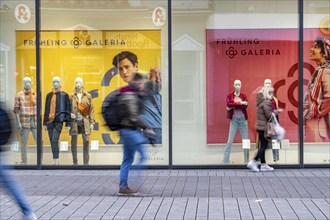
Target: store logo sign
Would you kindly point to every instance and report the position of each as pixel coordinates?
(159, 16)
(235, 48)
(22, 13)
(76, 42)
(325, 26)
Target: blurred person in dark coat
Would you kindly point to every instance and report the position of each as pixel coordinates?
(6, 177)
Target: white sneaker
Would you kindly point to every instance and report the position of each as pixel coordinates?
(252, 165)
(30, 216)
(266, 168)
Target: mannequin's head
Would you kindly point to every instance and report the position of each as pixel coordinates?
(79, 82)
(56, 82)
(237, 85)
(27, 83)
(267, 82)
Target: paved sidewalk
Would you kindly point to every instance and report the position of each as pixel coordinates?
(174, 194)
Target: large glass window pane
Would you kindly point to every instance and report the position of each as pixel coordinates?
(79, 40)
(316, 82)
(214, 44)
(18, 79)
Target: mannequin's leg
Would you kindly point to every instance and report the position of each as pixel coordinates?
(232, 132)
(85, 148)
(24, 138)
(243, 128)
(74, 149)
(56, 136)
(50, 129)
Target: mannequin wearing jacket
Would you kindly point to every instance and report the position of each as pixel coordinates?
(236, 106)
(25, 109)
(82, 115)
(57, 111)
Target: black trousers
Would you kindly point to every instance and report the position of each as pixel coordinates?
(263, 145)
(54, 131)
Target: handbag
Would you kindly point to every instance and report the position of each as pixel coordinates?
(270, 128)
(273, 129)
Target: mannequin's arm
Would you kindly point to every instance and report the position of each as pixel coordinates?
(19, 126)
(236, 105)
(91, 115)
(16, 112)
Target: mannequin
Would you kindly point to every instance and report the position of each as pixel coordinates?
(82, 115)
(57, 111)
(25, 110)
(268, 83)
(236, 106)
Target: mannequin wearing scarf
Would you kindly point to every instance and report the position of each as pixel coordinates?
(317, 96)
(25, 110)
(57, 111)
(82, 115)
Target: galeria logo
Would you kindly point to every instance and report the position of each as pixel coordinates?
(76, 42)
(231, 52)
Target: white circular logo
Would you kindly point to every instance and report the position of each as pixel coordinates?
(159, 16)
(22, 13)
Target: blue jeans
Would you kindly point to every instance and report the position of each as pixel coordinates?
(133, 141)
(12, 186)
(241, 124)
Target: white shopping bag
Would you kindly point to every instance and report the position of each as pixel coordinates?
(285, 144)
(275, 144)
(246, 144)
(64, 146)
(95, 145)
(14, 146)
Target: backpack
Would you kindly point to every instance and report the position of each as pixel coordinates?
(111, 112)
(5, 127)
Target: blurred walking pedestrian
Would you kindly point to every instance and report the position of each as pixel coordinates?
(133, 129)
(6, 177)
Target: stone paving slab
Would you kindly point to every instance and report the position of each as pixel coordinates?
(174, 194)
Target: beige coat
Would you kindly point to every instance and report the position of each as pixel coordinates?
(86, 99)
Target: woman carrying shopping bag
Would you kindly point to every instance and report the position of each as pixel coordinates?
(264, 113)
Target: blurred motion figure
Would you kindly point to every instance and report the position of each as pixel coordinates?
(6, 178)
